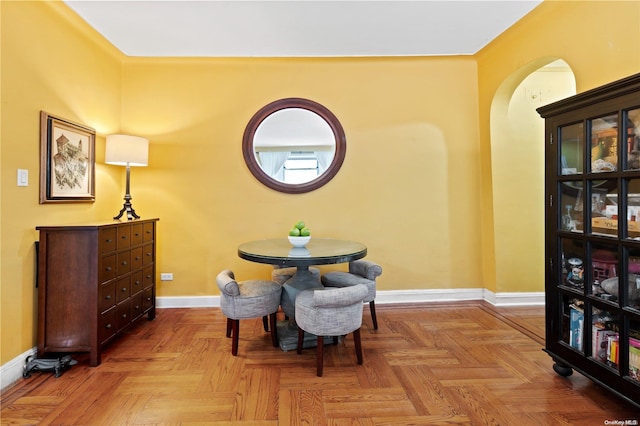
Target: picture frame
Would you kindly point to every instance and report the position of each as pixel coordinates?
(67, 161)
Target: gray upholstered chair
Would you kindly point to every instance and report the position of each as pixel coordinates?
(330, 312)
(281, 275)
(360, 272)
(247, 299)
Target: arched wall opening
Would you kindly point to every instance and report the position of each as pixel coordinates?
(517, 164)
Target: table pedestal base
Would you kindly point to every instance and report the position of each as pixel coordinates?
(288, 337)
(302, 280)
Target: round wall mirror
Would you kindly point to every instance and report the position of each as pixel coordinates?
(294, 145)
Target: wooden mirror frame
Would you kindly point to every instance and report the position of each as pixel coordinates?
(266, 111)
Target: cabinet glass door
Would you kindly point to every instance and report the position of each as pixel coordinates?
(604, 143)
(632, 132)
(571, 149)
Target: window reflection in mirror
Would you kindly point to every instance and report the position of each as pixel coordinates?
(294, 145)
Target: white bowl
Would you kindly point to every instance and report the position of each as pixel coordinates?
(299, 241)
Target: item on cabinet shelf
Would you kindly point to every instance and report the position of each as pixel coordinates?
(575, 277)
(610, 285)
(634, 358)
(613, 350)
(576, 322)
(599, 343)
(602, 166)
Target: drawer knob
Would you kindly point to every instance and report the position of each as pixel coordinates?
(137, 257)
(108, 297)
(108, 326)
(124, 289)
(137, 282)
(124, 237)
(124, 315)
(124, 262)
(109, 240)
(108, 268)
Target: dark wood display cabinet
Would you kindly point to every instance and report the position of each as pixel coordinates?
(592, 235)
(93, 282)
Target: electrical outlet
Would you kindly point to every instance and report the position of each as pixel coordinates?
(166, 276)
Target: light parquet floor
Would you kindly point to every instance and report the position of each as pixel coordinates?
(435, 364)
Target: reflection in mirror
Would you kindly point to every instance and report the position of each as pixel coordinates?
(294, 145)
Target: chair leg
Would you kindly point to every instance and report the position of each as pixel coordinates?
(372, 308)
(358, 345)
(274, 329)
(300, 340)
(320, 355)
(265, 322)
(234, 341)
(229, 320)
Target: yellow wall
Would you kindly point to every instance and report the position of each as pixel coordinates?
(416, 185)
(600, 40)
(407, 188)
(50, 61)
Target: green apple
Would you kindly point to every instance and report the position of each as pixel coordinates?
(299, 225)
(294, 232)
(305, 232)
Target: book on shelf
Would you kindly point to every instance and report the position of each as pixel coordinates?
(576, 327)
(613, 350)
(634, 358)
(600, 342)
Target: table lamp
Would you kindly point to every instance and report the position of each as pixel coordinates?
(126, 150)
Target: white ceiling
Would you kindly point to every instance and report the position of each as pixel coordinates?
(302, 28)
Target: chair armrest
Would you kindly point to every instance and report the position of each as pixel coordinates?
(227, 283)
(365, 268)
(344, 296)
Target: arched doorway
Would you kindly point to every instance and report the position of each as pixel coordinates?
(517, 164)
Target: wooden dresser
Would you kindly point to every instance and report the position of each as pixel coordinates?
(93, 281)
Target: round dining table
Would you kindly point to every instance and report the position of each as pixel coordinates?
(318, 251)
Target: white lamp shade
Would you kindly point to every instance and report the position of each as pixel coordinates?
(125, 150)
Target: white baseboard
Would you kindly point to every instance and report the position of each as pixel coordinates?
(12, 370)
(391, 296)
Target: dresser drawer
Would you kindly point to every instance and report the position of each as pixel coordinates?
(147, 277)
(107, 296)
(107, 268)
(137, 307)
(148, 251)
(147, 298)
(137, 234)
(124, 236)
(124, 262)
(123, 315)
(106, 240)
(149, 233)
(136, 258)
(137, 281)
(107, 325)
(123, 288)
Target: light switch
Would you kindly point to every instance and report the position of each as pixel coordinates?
(23, 177)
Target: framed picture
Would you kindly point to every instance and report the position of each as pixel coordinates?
(67, 161)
